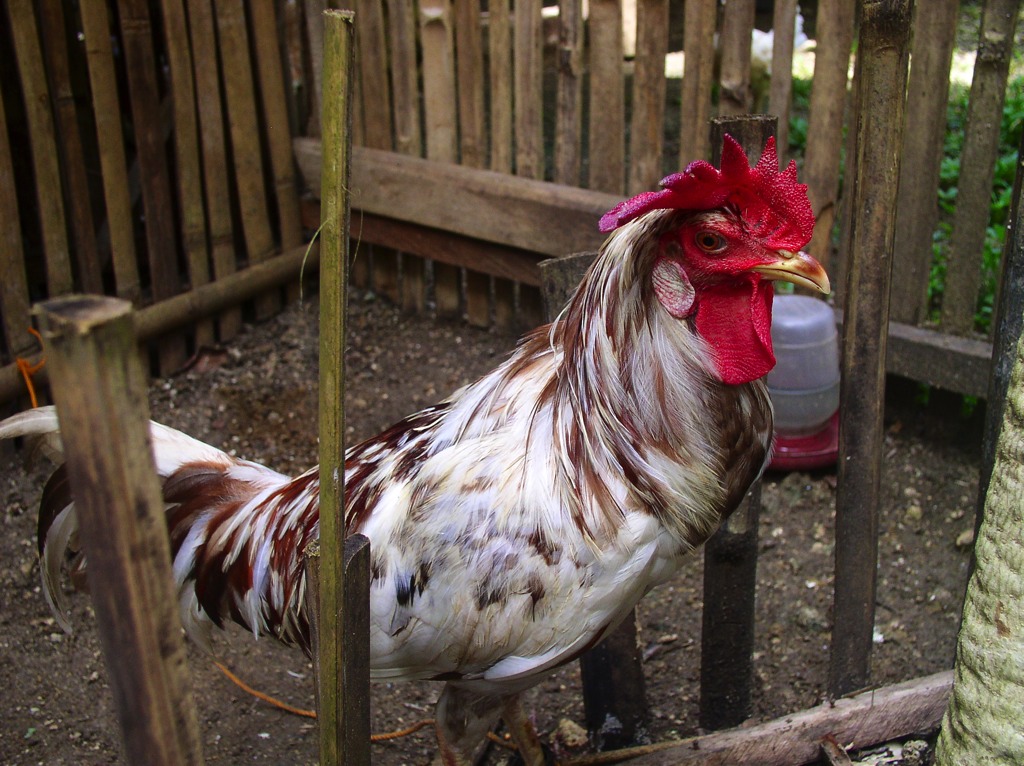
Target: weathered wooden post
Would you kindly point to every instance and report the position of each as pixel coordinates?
(881, 82)
(100, 389)
(339, 584)
(614, 695)
(730, 556)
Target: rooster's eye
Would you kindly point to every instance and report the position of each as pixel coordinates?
(710, 241)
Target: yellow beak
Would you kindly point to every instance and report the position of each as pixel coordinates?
(799, 268)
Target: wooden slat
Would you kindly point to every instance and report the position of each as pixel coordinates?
(647, 123)
(477, 203)
(408, 139)
(314, 10)
(569, 98)
(917, 211)
(472, 133)
(106, 111)
(607, 145)
(734, 94)
(883, 54)
(499, 42)
(375, 106)
(979, 154)
(499, 48)
(73, 169)
(699, 50)
(781, 89)
(528, 89)
(243, 123)
(14, 300)
(296, 76)
(508, 263)
(404, 77)
(188, 171)
(439, 100)
(202, 30)
(469, 60)
(275, 122)
(825, 131)
(155, 177)
(43, 144)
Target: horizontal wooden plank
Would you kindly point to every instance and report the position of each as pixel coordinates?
(541, 217)
(953, 363)
(502, 225)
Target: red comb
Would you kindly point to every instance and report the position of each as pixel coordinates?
(772, 203)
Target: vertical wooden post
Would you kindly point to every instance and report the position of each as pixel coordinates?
(343, 685)
(100, 390)
(881, 83)
(699, 45)
(614, 697)
(730, 556)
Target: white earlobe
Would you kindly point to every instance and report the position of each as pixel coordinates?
(673, 287)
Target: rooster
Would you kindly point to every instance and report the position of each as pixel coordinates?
(514, 524)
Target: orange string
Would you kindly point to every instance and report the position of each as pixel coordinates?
(27, 370)
(312, 713)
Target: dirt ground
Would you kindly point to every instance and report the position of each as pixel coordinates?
(257, 398)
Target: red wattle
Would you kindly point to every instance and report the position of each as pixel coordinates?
(736, 321)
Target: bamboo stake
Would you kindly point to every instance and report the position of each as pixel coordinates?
(344, 676)
(156, 320)
(100, 391)
(881, 83)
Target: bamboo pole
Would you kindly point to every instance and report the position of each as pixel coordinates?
(881, 83)
(344, 675)
(100, 391)
(212, 298)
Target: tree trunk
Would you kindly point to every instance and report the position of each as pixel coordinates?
(982, 722)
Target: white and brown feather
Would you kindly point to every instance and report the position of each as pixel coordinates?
(514, 523)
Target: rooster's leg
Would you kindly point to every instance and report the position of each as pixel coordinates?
(463, 719)
(523, 732)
